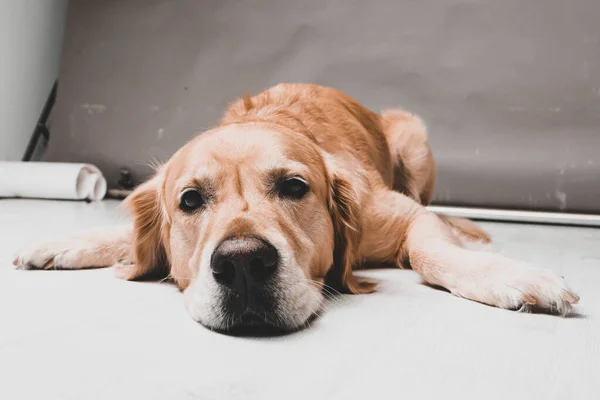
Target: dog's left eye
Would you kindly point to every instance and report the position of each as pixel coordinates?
(295, 188)
(191, 200)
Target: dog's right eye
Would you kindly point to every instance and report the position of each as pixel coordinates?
(191, 200)
(294, 188)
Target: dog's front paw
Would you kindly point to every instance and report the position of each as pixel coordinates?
(515, 285)
(59, 254)
(65, 253)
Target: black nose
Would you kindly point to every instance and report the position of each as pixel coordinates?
(242, 262)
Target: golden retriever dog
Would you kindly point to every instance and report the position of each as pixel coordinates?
(293, 189)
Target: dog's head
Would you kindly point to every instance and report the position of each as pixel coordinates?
(251, 220)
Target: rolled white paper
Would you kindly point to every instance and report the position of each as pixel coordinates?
(49, 180)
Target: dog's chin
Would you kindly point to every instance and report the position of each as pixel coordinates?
(267, 313)
(256, 324)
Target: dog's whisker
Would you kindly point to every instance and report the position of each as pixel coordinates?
(327, 291)
(166, 278)
(183, 278)
(329, 297)
(328, 287)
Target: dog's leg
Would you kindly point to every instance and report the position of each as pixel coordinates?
(398, 229)
(414, 167)
(92, 249)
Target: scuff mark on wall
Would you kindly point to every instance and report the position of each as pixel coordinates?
(562, 199)
(94, 108)
(559, 194)
(562, 169)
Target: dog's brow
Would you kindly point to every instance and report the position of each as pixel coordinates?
(282, 172)
(276, 173)
(204, 182)
(288, 168)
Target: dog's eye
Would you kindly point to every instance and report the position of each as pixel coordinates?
(294, 188)
(191, 200)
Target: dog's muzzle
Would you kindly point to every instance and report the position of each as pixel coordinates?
(245, 268)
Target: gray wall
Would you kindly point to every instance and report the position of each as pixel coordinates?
(31, 37)
(510, 89)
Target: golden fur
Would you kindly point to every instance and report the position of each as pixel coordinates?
(370, 175)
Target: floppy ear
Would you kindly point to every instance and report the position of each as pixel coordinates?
(344, 209)
(149, 255)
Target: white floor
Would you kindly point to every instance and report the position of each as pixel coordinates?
(85, 335)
